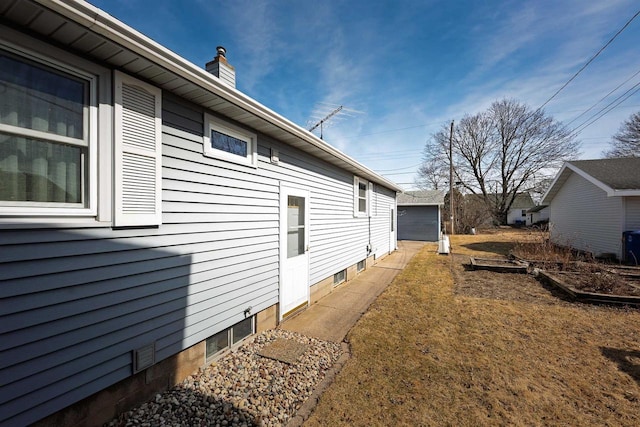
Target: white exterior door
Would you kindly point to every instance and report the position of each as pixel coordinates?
(294, 249)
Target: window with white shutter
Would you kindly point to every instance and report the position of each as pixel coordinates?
(138, 130)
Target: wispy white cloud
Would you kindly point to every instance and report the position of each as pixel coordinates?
(411, 66)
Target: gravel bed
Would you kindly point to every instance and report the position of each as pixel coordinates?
(240, 389)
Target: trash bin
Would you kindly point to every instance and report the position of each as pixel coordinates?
(632, 247)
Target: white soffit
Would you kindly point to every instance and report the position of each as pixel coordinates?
(89, 31)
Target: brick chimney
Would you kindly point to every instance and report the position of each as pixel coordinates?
(220, 68)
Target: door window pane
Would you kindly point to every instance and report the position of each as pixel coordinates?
(295, 226)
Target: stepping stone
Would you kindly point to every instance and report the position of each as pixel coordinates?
(283, 350)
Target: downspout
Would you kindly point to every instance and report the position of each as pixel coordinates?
(369, 246)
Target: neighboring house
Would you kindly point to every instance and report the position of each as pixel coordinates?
(419, 215)
(517, 214)
(592, 202)
(538, 214)
(151, 215)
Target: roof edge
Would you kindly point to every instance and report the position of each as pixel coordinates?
(551, 191)
(99, 21)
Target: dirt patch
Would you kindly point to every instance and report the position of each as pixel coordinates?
(501, 286)
(601, 283)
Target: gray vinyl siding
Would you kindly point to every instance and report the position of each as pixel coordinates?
(632, 213)
(583, 217)
(76, 302)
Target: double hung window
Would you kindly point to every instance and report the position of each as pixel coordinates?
(361, 197)
(45, 129)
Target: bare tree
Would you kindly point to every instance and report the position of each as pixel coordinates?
(498, 152)
(626, 143)
(433, 173)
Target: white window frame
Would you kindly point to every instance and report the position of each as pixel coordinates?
(230, 338)
(356, 197)
(340, 277)
(90, 141)
(213, 123)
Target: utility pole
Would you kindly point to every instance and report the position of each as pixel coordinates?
(453, 229)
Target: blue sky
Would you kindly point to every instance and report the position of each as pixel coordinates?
(404, 68)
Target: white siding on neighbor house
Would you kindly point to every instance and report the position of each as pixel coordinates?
(515, 214)
(583, 217)
(632, 213)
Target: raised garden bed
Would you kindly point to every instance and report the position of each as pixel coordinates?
(579, 280)
(498, 265)
(593, 287)
(547, 264)
(626, 271)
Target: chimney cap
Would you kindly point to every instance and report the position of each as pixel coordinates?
(221, 51)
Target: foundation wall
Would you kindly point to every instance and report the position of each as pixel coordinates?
(107, 404)
(325, 287)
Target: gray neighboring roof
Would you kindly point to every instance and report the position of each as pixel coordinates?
(522, 200)
(424, 198)
(87, 30)
(537, 208)
(617, 177)
(619, 174)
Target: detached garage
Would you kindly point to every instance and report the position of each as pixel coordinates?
(419, 215)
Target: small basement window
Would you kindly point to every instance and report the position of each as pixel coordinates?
(339, 277)
(228, 338)
(226, 141)
(361, 265)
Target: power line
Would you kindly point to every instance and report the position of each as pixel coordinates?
(591, 60)
(394, 130)
(603, 98)
(399, 169)
(585, 125)
(401, 173)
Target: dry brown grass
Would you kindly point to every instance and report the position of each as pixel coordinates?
(424, 356)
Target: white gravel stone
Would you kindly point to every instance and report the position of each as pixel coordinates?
(240, 389)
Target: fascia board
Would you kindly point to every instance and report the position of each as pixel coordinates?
(610, 191)
(102, 23)
(552, 188)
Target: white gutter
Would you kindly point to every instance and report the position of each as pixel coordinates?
(104, 24)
